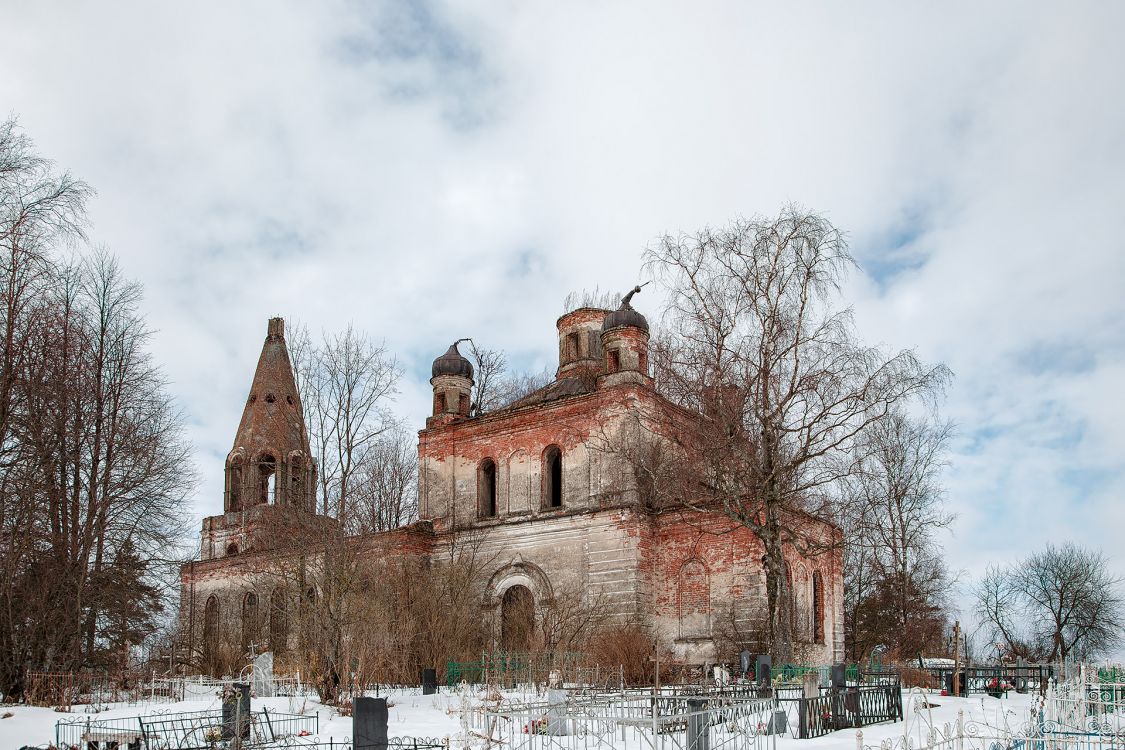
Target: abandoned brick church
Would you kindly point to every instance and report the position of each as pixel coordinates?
(532, 485)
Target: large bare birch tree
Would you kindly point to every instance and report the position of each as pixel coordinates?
(754, 337)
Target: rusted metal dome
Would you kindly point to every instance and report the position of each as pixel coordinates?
(625, 316)
(452, 363)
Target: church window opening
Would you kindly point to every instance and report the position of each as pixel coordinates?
(234, 492)
(486, 488)
(552, 477)
(232, 549)
(279, 626)
(270, 398)
(571, 347)
(267, 468)
(296, 495)
(818, 606)
(211, 626)
(517, 619)
(694, 600)
(249, 622)
(614, 358)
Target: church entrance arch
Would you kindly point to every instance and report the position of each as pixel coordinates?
(517, 618)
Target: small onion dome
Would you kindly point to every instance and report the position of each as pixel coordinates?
(452, 363)
(625, 316)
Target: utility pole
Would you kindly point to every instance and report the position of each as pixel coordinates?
(956, 658)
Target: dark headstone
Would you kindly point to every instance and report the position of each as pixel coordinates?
(839, 676)
(236, 711)
(429, 681)
(777, 723)
(369, 723)
(762, 669)
(698, 727)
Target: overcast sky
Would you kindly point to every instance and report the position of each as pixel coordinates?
(432, 171)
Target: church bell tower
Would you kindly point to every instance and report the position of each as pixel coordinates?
(270, 471)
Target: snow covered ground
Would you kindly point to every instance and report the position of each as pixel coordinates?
(438, 716)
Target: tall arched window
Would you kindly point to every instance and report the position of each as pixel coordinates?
(818, 606)
(234, 479)
(486, 489)
(211, 626)
(693, 592)
(279, 625)
(267, 468)
(802, 625)
(250, 622)
(296, 494)
(552, 477)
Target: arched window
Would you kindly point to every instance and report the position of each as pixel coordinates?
(232, 549)
(552, 477)
(234, 488)
(693, 593)
(279, 625)
(250, 622)
(296, 494)
(211, 626)
(486, 488)
(802, 625)
(818, 606)
(267, 468)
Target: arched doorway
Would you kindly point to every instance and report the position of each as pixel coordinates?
(517, 618)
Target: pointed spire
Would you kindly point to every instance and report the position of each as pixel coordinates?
(272, 421)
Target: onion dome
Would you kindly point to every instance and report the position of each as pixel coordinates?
(452, 363)
(625, 316)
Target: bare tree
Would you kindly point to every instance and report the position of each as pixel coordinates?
(754, 341)
(489, 368)
(94, 469)
(1055, 604)
(345, 383)
(895, 578)
(385, 491)
(495, 386)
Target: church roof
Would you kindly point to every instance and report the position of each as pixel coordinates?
(273, 420)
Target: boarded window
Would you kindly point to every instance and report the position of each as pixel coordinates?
(694, 600)
(552, 477)
(486, 488)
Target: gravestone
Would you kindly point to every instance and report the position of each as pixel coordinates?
(762, 670)
(369, 723)
(556, 712)
(429, 681)
(777, 723)
(811, 683)
(236, 711)
(698, 734)
(839, 676)
(262, 676)
(744, 663)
